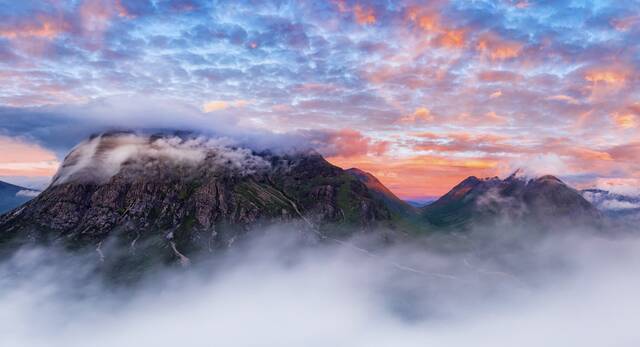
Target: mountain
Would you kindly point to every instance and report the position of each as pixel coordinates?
(544, 201)
(12, 196)
(418, 203)
(179, 194)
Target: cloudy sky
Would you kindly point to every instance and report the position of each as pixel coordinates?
(421, 94)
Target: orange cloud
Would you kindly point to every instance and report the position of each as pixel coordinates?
(496, 94)
(496, 48)
(43, 26)
(492, 118)
(429, 20)
(94, 16)
(564, 98)
(603, 81)
(627, 117)
(607, 75)
(426, 19)
(452, 38)
(587, 154)
(421, 114)
(217, 105)
(20, 158)
(364, 16)
(625, 120)
(122, 10)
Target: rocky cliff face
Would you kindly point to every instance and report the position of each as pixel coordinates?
(188, 194)
(540, 202)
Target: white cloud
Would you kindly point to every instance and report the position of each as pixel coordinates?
(538, 165)
(619, 205)
(28, 193)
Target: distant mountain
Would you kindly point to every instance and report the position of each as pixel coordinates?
(12, 196)
(542, 201)
(418, 203)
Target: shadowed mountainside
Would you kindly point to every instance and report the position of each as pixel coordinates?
(383, 193)
(544, 201)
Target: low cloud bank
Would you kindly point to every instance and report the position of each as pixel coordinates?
(490, 287)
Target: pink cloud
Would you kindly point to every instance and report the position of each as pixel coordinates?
(21, 158)
(348, 143)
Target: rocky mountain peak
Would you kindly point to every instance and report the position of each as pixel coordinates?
(197, 192)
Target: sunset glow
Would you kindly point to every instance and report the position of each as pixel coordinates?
(421, 94)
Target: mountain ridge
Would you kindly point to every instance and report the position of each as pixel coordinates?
(177, 195)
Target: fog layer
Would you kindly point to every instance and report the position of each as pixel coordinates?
(487, 288)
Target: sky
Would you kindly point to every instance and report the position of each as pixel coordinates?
(420, 93)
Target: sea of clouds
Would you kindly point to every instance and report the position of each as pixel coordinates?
(485, 288)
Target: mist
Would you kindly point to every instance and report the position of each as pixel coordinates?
(487, 287)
